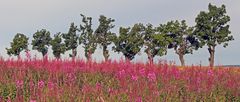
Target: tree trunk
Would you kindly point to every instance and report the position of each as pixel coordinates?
(211, 50)
(58, 57)
(127, 59)
(74, 53)
(18, 56)
(181, 58)
(43, 54)
(88, 55)
(150, 57)
(105, 53)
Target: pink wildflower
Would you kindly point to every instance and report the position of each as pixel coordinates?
(28, 54)
(31, 84)
(139, 99)
(71, 77)
(50, 85)
(134, 77)
(19, 84)
(121, 73)
(33, 101)
(210, 72)
(41, 84)
(110, 90)
(152, 76)
(142, 71)
(98, 86)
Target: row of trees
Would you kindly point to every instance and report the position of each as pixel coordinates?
(211, 29)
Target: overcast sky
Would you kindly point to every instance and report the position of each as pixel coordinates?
(28, 16)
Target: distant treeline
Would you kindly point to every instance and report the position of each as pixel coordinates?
(211, 29)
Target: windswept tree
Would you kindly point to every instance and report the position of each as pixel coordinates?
(71, 40)
(150, 43)
(130, 41)
(104, 36)
(19, 43)
(156, 41)
(41, 41)
(160, 41)
(58, 46)
(87, 38)
(183, 41)
(212, 29)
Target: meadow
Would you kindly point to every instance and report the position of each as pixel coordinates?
(46, 80)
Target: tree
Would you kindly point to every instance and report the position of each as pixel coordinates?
(57, 46)
(20, 43)
(104, 36)
(71, 39)
(41, 41)
(183, 41)
(160, 41)
(212, 29)
(130, 41)
(149, 42)
(87, 38)
(156, 41)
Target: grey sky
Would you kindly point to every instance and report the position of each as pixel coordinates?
(28, 16)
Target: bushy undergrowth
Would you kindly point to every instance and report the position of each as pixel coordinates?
(45, 80)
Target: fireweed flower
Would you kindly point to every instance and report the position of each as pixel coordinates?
(31, 83)
(110, 90)
(121, 73)
(28, 54)
(151, 76)
(139, 99)
(134, 77)
(41, 84)
(50, 85)
(210, 73)
(98, 86)
(19, 83)
(142, 71)
(71, 77)
(32, 101)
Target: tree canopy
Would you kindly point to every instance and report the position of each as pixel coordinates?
(104, 36)
(71, 40)
(58, 46)
(183, 41)
(87, 37)
(212, 29)
(19, 43)
(150, 42)
(130, 41)
(41, 41)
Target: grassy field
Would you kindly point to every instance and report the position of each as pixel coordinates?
(33, 80)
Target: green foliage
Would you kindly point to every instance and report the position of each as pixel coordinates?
(57, 46)
(71, 39)
(41, 41)
(212, 29)
(104, 36)
(162, 40)
(20, 43)
(8, 91)
(130, 41)
(211, 26)
(183, 41)
(87, 38)
(152, 48)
